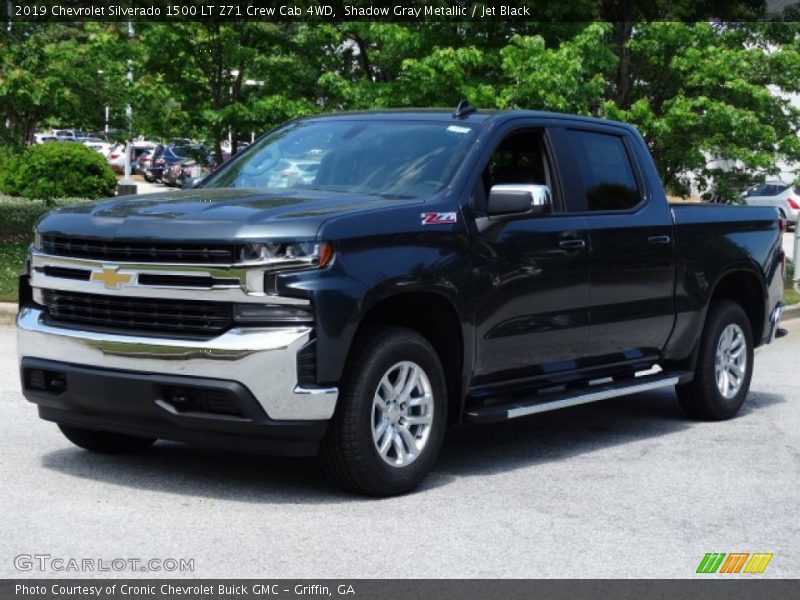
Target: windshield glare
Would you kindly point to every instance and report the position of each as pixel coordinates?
(388, 158)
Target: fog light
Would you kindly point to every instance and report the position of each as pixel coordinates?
(271, 313)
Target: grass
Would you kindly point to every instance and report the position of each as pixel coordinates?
(790, 296)
(12, 255)
(17, 218)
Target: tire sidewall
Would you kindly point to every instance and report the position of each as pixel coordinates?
(727, 314)
(404, 346)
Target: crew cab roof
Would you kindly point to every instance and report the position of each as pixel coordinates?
(480, 116)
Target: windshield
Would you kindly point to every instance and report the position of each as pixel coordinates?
(388, 158)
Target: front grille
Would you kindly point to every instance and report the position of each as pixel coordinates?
(142, 252)
(186, 317)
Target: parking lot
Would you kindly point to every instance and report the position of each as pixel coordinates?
(625, 488)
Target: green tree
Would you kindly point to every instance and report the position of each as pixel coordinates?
(707, 91)
(61, 74)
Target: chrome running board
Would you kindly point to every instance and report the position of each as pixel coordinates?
(545, 402)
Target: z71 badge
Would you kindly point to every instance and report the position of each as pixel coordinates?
(438, 218)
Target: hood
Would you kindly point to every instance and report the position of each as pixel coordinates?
(209, 215)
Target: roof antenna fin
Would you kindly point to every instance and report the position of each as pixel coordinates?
(464, 109)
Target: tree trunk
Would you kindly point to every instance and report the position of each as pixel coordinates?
(622, 13)
(622, 35)
(364, 57)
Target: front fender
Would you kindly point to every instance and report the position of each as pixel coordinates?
(367, 271)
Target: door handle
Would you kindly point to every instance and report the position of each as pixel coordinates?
(572, 244)
(658, 239)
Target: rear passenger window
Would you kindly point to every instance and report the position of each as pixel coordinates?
(779, 189)
(605, 170)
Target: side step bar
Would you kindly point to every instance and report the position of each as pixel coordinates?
(555, 400)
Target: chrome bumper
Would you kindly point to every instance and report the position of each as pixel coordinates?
(263, 360)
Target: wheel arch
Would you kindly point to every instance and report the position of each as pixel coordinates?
(434, 316)
(745, 287)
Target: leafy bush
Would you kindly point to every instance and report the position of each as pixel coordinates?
(8, 163)
(19, 215)
(58, 170)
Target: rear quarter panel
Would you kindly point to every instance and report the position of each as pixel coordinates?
(712, 242)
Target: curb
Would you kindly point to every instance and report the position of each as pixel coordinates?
(8, 308)
(791, 312)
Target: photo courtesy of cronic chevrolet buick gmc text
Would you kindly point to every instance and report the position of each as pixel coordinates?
(352, 284)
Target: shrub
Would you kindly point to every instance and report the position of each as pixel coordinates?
(59, 170)
(8, 164)
(19, 215)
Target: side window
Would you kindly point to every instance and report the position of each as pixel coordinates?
(520, 158)
(605, 171)
(779, 189)
(754, 191)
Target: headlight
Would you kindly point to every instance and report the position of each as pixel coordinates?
(287, 254)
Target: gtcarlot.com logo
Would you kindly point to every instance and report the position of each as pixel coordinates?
(61, 564)
(734, 562)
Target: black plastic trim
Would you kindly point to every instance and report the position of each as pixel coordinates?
(136, 404)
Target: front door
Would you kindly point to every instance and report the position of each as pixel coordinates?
(532, 274)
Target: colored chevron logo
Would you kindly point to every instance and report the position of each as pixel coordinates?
(735, 562)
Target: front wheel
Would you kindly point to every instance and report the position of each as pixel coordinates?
(724, 365)
(390, 419)
(105, 442)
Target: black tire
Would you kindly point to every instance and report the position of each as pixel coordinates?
(349, 455)
(148, 178)
(701, 398)
(105, 442)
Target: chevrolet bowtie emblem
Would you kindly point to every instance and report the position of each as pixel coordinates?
(111, 277)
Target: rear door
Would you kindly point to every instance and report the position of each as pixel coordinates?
(631, 245)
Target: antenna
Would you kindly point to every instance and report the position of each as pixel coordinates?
(464, 109)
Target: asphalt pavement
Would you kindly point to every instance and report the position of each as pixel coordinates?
(624, 488)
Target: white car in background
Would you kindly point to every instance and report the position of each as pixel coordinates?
(783, 196)
(116, 157)
(103, 148)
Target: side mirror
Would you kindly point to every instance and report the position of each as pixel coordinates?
(519, 199)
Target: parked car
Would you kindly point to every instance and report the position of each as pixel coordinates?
(439, 269)
(171, 175)
(116, 158)
(142, 161)
(101, 147)
(167, 155)
(783, 196)
(65, 133)
(193, 170)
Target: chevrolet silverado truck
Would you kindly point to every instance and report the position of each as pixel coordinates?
(353, 284)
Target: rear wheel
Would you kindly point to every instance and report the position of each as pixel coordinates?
(390, 419)
(724, 365)
(105, 442)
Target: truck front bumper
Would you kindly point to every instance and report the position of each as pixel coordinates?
(241, 384)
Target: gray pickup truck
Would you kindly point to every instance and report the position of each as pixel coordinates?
(351, 284)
